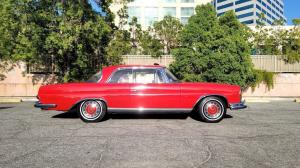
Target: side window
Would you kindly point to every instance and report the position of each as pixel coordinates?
(121, 76)
(147, 76)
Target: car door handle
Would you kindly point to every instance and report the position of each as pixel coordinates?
(134, 90)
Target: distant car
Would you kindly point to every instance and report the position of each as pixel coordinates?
(141, 89)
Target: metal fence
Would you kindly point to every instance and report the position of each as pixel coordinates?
(271, 63)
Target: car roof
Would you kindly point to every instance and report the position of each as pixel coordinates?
(134, 66)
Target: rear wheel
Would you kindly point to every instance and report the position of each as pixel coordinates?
(92, 110)
(211, 109)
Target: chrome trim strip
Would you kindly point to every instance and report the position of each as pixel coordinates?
(150, 109)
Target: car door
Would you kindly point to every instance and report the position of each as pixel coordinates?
(117, 89)
(151, 91)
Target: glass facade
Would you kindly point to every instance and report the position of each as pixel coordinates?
(168, 1)
(225, 6)
(134, 12)
(187, 1)
(169, 11)
(187, 11)
(246, 9)
(151, 15)
(184, 20)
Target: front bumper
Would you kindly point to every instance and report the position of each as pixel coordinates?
(237, 106)
(44, 106)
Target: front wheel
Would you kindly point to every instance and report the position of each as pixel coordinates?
(92, 110)
(211, 109)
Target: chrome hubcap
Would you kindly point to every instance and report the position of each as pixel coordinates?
(213, 109)
(91, 109)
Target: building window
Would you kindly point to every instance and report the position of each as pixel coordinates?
(169, 1)
(134, 12)
(219, 1)
(151, 15)
(187, 11)
(184, 20)
(241, 1)
(248, 22)
(220, 14)
(138, 1)
(245, 15)
(258, 7)
(225, 6)
(187, 1)
(244, 8)
(169, 11)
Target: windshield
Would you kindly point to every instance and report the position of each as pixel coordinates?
(95, 78)
(170, 76)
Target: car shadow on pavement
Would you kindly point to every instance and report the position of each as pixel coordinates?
(147, 116)
(69, 114)
(197, 118)
(6, 107)
(183, 116)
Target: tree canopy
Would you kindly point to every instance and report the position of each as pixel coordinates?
(214, 49)
(67, 34)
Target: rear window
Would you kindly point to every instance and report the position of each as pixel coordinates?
(95, 78)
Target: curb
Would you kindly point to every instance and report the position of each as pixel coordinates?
(10, 100)
(269, 99)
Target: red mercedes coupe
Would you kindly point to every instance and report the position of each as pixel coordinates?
(141, 89)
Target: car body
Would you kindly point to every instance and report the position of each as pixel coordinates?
(139, 88)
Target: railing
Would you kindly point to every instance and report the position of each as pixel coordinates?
(147, 60)
(271, 63)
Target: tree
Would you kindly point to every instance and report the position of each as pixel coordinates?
(118, 46)
(67, 33)
(150, 45)
(214, 50)
(167, 31)
(291, 47)
(296, 21)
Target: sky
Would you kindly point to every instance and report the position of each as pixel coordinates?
(292, 10)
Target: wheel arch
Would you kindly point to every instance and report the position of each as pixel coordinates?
(222, 97)
(75, 105)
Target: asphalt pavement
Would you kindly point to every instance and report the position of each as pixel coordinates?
(263, 135)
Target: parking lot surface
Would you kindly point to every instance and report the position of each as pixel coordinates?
(263, 135)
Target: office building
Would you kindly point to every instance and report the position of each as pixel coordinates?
(249, 11)
(149, 11)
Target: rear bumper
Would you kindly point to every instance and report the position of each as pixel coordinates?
(44, 106)
(237, 106)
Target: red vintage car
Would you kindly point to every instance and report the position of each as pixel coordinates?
(129, 88)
